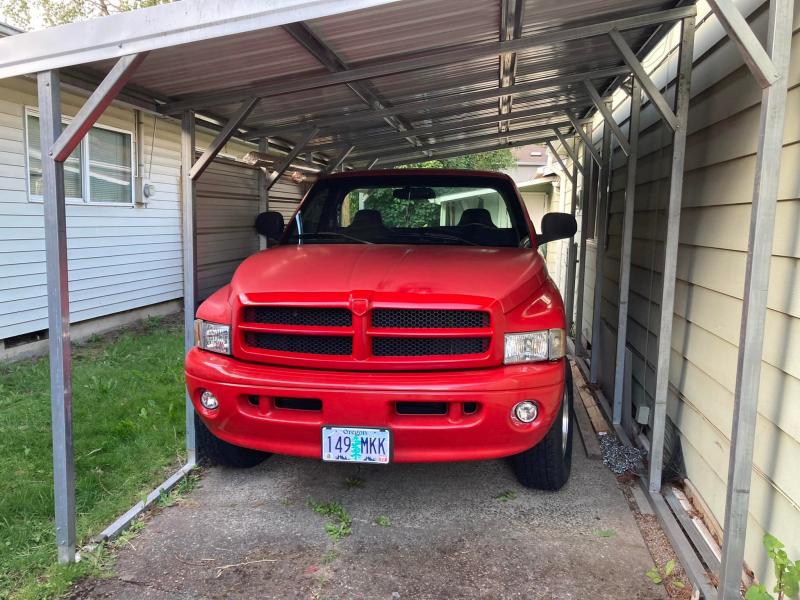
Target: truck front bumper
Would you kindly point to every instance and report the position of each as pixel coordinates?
(252, 397)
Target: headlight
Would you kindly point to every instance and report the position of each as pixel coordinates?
(535, 346)
(212, 336)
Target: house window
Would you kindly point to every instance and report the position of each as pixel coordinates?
(100, 169)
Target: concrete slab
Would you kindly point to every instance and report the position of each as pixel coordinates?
(464, 530)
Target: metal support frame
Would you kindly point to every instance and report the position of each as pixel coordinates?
(188, 212)
(55, 235)
(580, 348)
(656, 97)
(464, 53)
(91, 110)
(281, 167)
(569, 300)
(263, 196)
(222, 138)
(604, 108)
(759, 254)
(763, 68)
(339, 160)
(557, 156)
(372, 163)
(683, 88)
(625, 252)
(572, 151)
(445, 98)
(601, 220)
(587, 142)
(512, 16)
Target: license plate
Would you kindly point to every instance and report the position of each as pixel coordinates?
(356, 444)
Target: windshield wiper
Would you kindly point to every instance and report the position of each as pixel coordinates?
(440, 236)
(323, 234)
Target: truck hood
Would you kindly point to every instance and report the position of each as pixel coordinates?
(507, 275)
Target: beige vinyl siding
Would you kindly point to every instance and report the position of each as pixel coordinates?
(720, 163)
(120, 257)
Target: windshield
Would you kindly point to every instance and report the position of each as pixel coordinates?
(470, 211)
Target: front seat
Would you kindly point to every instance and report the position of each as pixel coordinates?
(367, 218)
(476, 216)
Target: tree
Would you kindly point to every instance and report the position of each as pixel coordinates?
(495, 160)
(27, 14)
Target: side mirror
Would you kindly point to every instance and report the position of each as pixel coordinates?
(557, 226)
(270, 224)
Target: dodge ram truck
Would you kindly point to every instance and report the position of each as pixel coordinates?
(400, 316)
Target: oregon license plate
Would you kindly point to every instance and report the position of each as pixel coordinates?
(356, 444)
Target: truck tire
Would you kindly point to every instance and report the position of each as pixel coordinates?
(219, 452)
(547, 465)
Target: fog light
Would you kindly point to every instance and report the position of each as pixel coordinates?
(208, 400)
(526, 411)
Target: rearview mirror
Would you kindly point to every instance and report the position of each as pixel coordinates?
(414, 193)
(557, 226)
(270, 225)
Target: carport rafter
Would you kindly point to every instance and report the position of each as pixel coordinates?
(605, 110)
(339, 160)
(223, 137)
(280, 168)
(587, 142)
(650, 88)
(447, 98)
(569, 149)
(464, 53)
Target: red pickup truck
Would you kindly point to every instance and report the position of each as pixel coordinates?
(401, 316)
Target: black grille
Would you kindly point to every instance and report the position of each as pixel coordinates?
(428, 346)
(415, 318)
(305, 344)
(298, 315)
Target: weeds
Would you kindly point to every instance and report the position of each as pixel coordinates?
(787, 573)
(352, 483)
(658, 576)
(382, 521)
(340, 522)
(605, 533)
(506, 496)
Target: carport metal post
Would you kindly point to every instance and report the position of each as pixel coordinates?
(600, 237)
(754, 307)
(627, 242)
(263, 196)
(683, 88)
(580, 350)
(189, 262)
(569, 302)
(55, 239)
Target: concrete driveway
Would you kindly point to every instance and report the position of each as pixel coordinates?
(465, 530)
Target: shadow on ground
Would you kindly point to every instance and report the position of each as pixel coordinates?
(450, 536)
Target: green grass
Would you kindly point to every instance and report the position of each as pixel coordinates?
(340, 522)
(128, 417)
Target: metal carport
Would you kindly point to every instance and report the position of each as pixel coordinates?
(360, 83)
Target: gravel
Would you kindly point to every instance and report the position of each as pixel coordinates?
(621, 459)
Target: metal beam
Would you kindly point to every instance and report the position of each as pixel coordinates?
(399, 160)
(189, 232)
(601, 235)
(452, 127)
(755, 57)
(448, 98)
(608, 116)
(463, 53)
(222, 137)
(585, 137)
(372, 164)
(751, 335)
(558, 158)
(569, 296)
(683, 85)
(263, 197)
(650, 88)
(337, 162)
(94, 106)
(572, 153)
(511, 20)
(388, 152)
(625, 253)
(306, 37)
(161, 26)
(580, 349)
(281, 167)
(55, 240)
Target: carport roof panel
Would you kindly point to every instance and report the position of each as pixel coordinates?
(400, 52)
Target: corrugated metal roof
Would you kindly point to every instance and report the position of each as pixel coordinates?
(269, 60)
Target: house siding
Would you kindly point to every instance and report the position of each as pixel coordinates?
(119, 257)
(717, 194)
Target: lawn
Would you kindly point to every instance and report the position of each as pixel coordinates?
(128, 416)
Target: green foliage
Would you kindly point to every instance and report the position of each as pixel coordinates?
(496, 160)
(383, 521)
(119, 453)
(21, 13)
(605, 533)
(352, 483)
(506, 496)
(787, 573)
(340, 524)
(666, 574)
